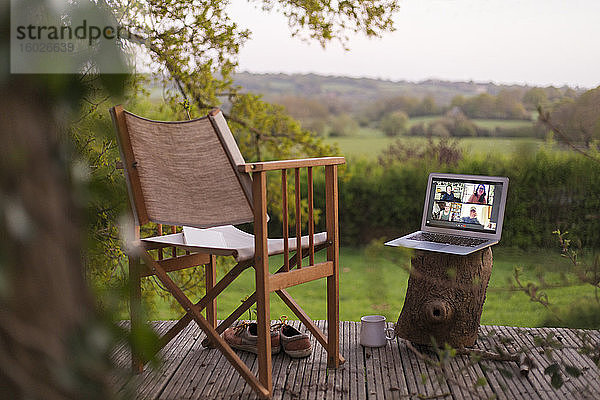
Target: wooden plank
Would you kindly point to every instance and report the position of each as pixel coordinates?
(519, 386)
(344, 369)
(284, 280)
(217, 375)
(181, 262)
(571, 338)
(193, 373)
(121, 357)
(393, 374)
(322, 372)
(471, 373)
(192, 377)
(280, 362)
(374, 380)
(315, 364)
(252, 362)
(418, 370)
(289, 164)
(355, 372)
(401, 378)
(537, 386)
(218, 383)
(237, 387)
(294, 372)
(330, 394)
(315, 375)
(408, 367)
(536, 376)
(503, 387)
(155, 381)
(460, 383)
(588, 384)
(433, 387)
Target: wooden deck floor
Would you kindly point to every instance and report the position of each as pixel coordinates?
(392, 372)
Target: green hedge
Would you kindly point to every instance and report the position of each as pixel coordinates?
(548, 190)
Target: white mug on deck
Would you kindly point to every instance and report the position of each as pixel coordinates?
(373, 332)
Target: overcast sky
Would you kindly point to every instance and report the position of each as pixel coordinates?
(541, 42)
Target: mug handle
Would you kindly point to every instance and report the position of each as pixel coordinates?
(393, 334)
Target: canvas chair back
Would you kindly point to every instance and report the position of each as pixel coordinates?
(183, 173)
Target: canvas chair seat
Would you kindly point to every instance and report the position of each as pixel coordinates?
(229, 241)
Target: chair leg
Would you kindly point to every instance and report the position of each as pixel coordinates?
(263, 321)
(262, 390)
(261, 265)
(333, 322)
(333, 254)
(135, 307)
(210, 277)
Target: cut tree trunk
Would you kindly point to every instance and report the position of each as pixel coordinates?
(445, 298)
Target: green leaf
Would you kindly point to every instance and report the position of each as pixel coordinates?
(552, 369)
(573, 371)
(505, 373)
(481, 381)
(557, 380)
(423, 379)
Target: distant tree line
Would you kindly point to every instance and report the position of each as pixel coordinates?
(334, 116)
(574, 121)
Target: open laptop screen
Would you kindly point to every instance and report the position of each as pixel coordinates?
(465, 204)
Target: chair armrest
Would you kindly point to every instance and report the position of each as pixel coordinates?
(286, 164)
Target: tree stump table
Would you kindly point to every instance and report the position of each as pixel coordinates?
(445, 298)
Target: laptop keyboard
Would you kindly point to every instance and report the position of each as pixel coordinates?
(447, 239)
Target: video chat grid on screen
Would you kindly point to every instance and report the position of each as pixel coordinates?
(467, 205)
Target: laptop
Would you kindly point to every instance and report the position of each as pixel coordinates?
(462, 214)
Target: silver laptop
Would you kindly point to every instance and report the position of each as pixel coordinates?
(462, 214)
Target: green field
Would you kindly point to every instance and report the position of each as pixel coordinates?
(371, 146)
(377, 286)
(369, 142)
(502, 123)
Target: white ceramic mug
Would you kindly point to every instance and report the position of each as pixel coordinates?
(373, 332)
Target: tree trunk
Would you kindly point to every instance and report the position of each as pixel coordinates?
(47, 348)
(445, 298)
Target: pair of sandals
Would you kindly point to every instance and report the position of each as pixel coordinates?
(283, 337)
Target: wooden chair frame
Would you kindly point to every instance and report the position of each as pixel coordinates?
(142, 263)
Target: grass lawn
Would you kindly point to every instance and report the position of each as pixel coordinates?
(369, 286)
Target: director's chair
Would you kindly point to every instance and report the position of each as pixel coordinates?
(192, 174)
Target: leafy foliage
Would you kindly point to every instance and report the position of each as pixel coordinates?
(195, 45)
(576, 122)
(547, 190)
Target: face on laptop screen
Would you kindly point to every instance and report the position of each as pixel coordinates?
(464, 204)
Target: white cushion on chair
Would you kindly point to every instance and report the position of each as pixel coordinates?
(228, 240)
